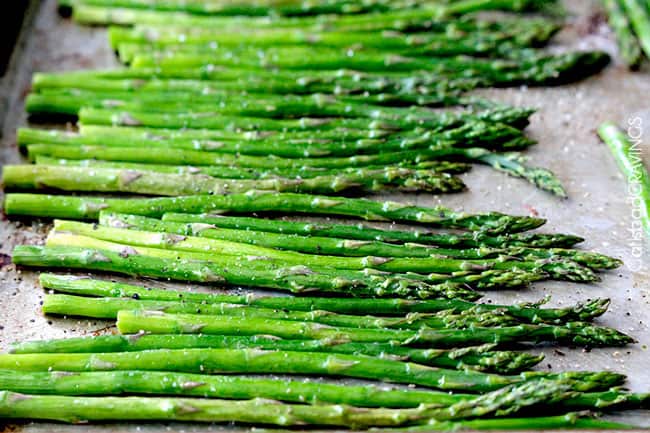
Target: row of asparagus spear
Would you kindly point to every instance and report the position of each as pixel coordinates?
(172, 338)
(285, 100)
(388, 147)
(179, 362)
(312, 103)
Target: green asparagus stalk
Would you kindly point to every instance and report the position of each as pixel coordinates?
(538, 70)
(281, 82)
(298, 8)
(531, 313)
(74, 409)
(258, 8)
(477, 133)
(118, 117)
(215, 386)
(71, 101)
(628, 158)
(342, 135)
(237, 387)
(155, 322)
(484, 44)
(114, 117)
(88, 253)
(481, 358)
(401, 20)
(508, 163)
(175, 156)
(522, 33)
(168, 79)
(409, 284)
(346, 247)
(367, 233)
(628, 44)
(639, 16)
(294, 279)
(229, 254)
(89, 208)
(252, 361)
(107, 308)
(224, 172)
(26, 177)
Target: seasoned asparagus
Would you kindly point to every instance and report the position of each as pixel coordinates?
(107, 308)
(298, 279)
(57, 177)
(531, 313)
(508, 163)
(251, 361)
(238, 255)
(476, 133)
(131, 322)
(346, 247)
(89, 208)
(235, 387)
(480, 358)
(367, 233)
(74, 409)
(224, 172)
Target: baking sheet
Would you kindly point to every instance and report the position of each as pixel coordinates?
(598, 207)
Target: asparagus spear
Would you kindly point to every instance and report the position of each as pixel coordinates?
(639, 16)
(298, 8)
(258, 8)
(153, 183)
(408, 19)
(351, 82)
(345, 247)
(118, 117)
(408, 285)
(540, 70)
(628, 158)
(155, 322)
(477, 133)
(292, 279)
(106, 116)
(521, 33)
(89, 208)
(342, 135)
(367, 233)
(107, 308)
(224, 172)
(481, 358)
(628, 44)
(129, 43)
(70, 102)
(238, 255)
(175, 156)
(74, 409)
(508, 163)
(531, 313)
(215, 386)
(283, 82)
(236, 387)
(251, 361)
